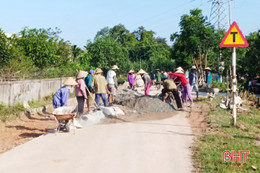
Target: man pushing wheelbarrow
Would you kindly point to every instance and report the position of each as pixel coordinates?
(63, 114)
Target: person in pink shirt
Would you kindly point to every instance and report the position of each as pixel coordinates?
(147, 81)
(80, 92)
(179, 73)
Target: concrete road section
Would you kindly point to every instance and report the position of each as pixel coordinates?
(160, 146)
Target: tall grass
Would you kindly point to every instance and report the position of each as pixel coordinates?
(222, 135)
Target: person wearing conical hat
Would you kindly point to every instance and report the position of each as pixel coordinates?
(80, 91)
(147, 81)
(131, 79)
(101, 90)
(179, 73)
(170, 86)
(60, 98)
(112, 83)
(193, 79)
(208, 76)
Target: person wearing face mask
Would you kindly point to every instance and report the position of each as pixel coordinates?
(80, 91)
(60, 98)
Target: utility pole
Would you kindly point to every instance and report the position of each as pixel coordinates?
(234, 77)
(234, 84)
(229, 22)
(229, 9)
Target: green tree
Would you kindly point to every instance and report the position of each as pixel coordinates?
(194, 42)
(76, 52)
(249, 60)
(40, 45)
(139, 49)
(150, 52)
(104, 53)
(4, 52)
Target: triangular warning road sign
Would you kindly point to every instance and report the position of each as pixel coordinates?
(234, 37)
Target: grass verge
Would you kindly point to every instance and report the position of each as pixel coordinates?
(221, 135)
(10, 112)
(6, 112)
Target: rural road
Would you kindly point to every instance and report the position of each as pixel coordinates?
(135, 147)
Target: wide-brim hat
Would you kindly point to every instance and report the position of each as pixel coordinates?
(115, 67)
(82, 74)
(70, 81)
(207, 68)
(193, 67)
(179, 71)
(98, 70)
(131, 71)
(179, 68)
(141, 71)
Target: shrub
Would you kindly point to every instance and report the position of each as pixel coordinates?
(221, 86)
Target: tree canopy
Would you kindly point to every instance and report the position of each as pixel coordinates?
(40, 53)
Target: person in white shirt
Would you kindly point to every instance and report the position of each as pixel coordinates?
(112, 83)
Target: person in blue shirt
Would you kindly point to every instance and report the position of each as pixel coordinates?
(60, 98)
(90, 90)
(208, 77)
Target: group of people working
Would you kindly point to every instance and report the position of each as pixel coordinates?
(169, 80)
(93, 86)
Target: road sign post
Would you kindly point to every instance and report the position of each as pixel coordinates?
(234, 85)
(234, 38)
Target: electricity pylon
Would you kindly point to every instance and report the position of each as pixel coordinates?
(218, 18)
(218, 15)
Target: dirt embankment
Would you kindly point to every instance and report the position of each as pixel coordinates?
(197, 117)
(22, 129)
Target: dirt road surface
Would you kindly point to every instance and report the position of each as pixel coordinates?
(135, 147)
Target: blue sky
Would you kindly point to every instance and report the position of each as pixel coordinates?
(79, 20)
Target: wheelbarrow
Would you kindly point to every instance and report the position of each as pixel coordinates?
(64, 117)
(64, 121)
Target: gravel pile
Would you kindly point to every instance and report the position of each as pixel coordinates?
(143, 104)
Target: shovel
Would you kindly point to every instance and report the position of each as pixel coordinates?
(97, 108)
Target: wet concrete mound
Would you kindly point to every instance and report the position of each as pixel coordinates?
(142, 104)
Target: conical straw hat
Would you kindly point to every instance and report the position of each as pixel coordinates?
(131, 71)
(115, 67)
(179, 68)
(179, 71)
(70, 81)
(141, 71)
(207, 68)
(82, 74)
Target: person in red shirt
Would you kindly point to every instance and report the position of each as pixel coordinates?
(179, 73)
